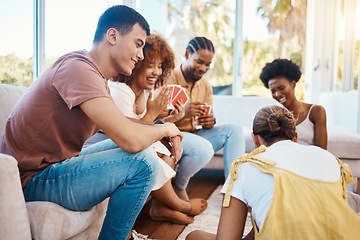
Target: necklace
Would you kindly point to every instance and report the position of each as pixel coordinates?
(297, 117)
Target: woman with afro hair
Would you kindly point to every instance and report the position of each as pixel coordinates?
(281, 76)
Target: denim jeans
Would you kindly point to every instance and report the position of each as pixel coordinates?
(227, 136)
(197, 152)
(199, 148)
(100, 171)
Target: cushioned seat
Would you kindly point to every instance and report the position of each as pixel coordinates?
(36, 220)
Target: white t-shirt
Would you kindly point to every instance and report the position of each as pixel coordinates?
(256, 188)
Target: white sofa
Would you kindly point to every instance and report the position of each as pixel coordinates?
(36, 220)
(343, 142)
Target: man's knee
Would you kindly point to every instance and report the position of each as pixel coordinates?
(234, 129)
(205, 148)
(151, 161)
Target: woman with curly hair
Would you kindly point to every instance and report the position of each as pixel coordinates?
(135, 98)
(281, 76)
(292, 191)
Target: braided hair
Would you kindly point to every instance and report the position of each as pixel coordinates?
(198, 43)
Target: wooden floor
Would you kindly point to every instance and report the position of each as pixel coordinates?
(201, 185)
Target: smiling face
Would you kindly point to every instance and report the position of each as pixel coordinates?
(147, 77)
(128, 49)
(198, 63)
(282, 90)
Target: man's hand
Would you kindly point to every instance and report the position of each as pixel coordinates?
(172, 130)
(176, 137)
(194, 109)
(206, 120)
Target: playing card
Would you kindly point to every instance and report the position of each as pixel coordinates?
(176, 90)
(176, 148)
(207, 111)
(171, 91)
(207, 108)
(180, 96)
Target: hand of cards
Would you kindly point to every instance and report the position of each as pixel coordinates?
(177, 93)
(207, 111)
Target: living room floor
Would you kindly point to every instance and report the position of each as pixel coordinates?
(202, 185)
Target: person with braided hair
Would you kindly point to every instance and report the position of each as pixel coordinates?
(293, 191)
(201, 137)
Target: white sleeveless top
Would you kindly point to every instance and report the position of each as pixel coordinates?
(306, 130)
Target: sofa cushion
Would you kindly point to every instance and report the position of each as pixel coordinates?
(50, 221)
(9, 95)
(343, 142)
(14, 220)
(354, 202)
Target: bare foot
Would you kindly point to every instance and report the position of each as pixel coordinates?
(159, 211)
(199, 234)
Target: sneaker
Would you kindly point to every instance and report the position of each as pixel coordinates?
(138, 236)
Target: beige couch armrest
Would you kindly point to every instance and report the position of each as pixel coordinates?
(14, 220)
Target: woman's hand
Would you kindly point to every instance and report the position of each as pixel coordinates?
(177, 114)
(156, 106)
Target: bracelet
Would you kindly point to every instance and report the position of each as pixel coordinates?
(159, 122)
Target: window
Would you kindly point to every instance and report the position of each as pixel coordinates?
(16, 42)
(213, 19)
(348, 44)
(272, 29)
(70, 25)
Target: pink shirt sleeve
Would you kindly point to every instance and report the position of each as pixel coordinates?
(78, 81)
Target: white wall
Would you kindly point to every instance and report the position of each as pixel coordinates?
(341, 108)
(239, 110)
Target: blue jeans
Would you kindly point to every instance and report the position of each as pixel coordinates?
(100, 171)
(227, 136)
(197, 152)
(199, 148)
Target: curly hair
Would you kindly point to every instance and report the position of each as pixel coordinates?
(280, 68)
(274, 122)
(156, 47)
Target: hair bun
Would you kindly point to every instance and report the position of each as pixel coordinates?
(273, 123)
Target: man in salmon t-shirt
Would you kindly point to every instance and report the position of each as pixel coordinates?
(70, 102)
